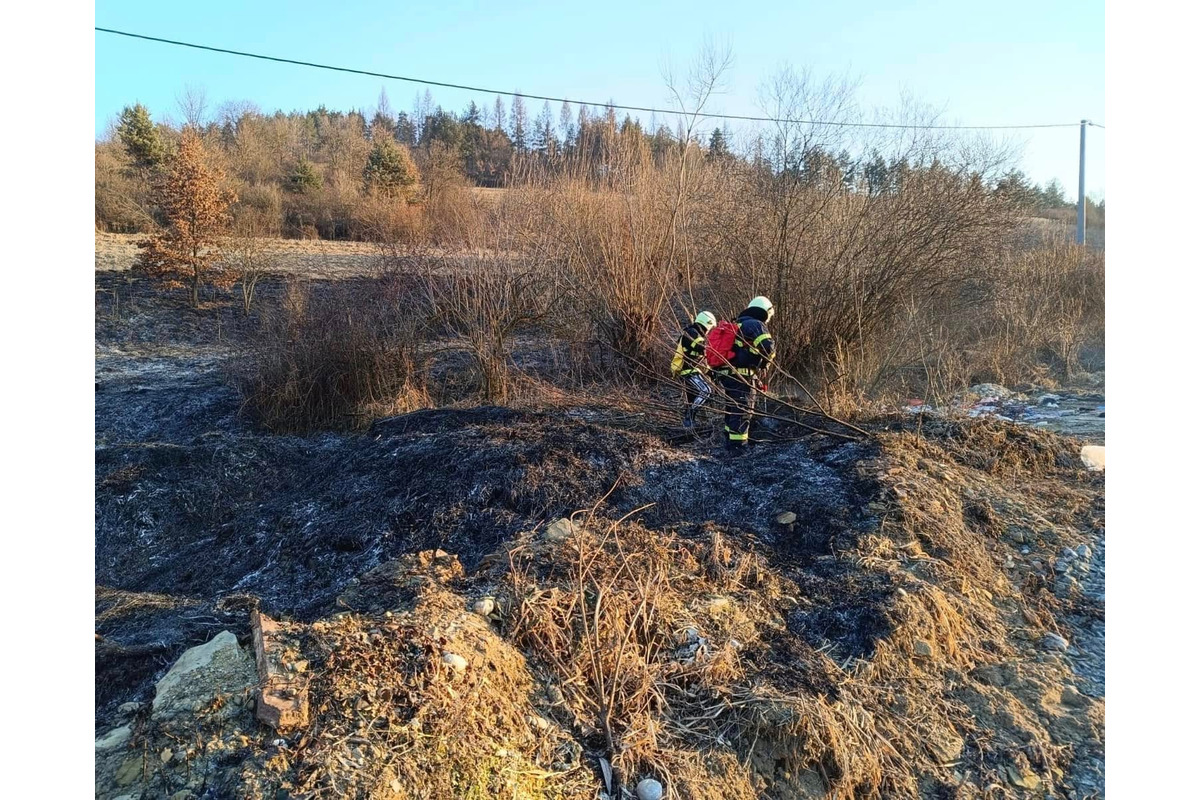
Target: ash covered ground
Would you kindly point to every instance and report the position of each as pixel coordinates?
(200, 516)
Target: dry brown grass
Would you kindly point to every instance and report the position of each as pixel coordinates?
(335, 359)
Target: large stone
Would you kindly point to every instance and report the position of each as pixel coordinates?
(113, 739)
(560, 530)
(1052, 641)
(218, 669)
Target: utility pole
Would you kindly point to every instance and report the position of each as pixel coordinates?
(1081, 214)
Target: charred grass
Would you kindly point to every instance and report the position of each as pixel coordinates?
(899, 658)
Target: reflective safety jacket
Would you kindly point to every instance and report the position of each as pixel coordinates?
(689, 352)
(754, 348)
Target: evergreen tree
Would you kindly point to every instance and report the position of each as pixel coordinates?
(544, 140)
(1053, 195)
(519, 125)
(140, 137)
(406, 131)
(718, 148)
(566, 126)
(471, 115)
(390, 169)
(304, 178)
(499, 114)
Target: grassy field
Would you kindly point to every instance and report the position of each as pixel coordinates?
(115, 252)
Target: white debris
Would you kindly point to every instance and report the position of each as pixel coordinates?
(1093, 456)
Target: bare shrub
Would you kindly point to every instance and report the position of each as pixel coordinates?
(484, 299)
(337, 357)
(1044, 301)
(248, 253)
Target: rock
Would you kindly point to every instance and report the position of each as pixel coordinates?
(649, 789)
(1023, 778)
(1071, 697)
(559, 531)
(129, 771)
(946, 745)
(990, 390)
(182, 794)
(166, 755)
(1084, 552)
(786, 518)
(128, 709)
(1066, 585)
(454, 661)
(1052, 641)
(216, 669)
(485, 606)
(114, 738)
(922, 649)
(539, 722)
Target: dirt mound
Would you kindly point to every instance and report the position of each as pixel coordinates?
(892, 619)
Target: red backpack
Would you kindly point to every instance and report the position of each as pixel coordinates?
(718, 352)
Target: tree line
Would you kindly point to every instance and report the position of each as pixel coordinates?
(310, 174)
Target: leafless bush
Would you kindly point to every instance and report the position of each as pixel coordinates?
(484, 299)
(1044, 301)
(248, 253)
(335, 358)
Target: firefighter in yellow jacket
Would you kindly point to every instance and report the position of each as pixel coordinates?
(689, 365)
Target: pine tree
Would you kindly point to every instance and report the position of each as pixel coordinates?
(390, 169)
(196, 205)
(566, 126)
(544, 139)
(471, 115)
(406, 131)
(140, 137)
(519, 125)
(304, 179)
(499, 114)
(718, 149)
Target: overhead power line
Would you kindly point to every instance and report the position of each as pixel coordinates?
(647, 109)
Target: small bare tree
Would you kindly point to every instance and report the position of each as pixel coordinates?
(485, 299)
(193, 105)
(247, 254)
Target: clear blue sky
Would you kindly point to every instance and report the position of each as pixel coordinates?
(982, 63)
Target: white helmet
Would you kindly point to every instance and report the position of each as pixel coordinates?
(706, 320)
(764, 304)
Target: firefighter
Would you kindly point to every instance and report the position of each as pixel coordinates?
(753, 350)
(689, 365)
